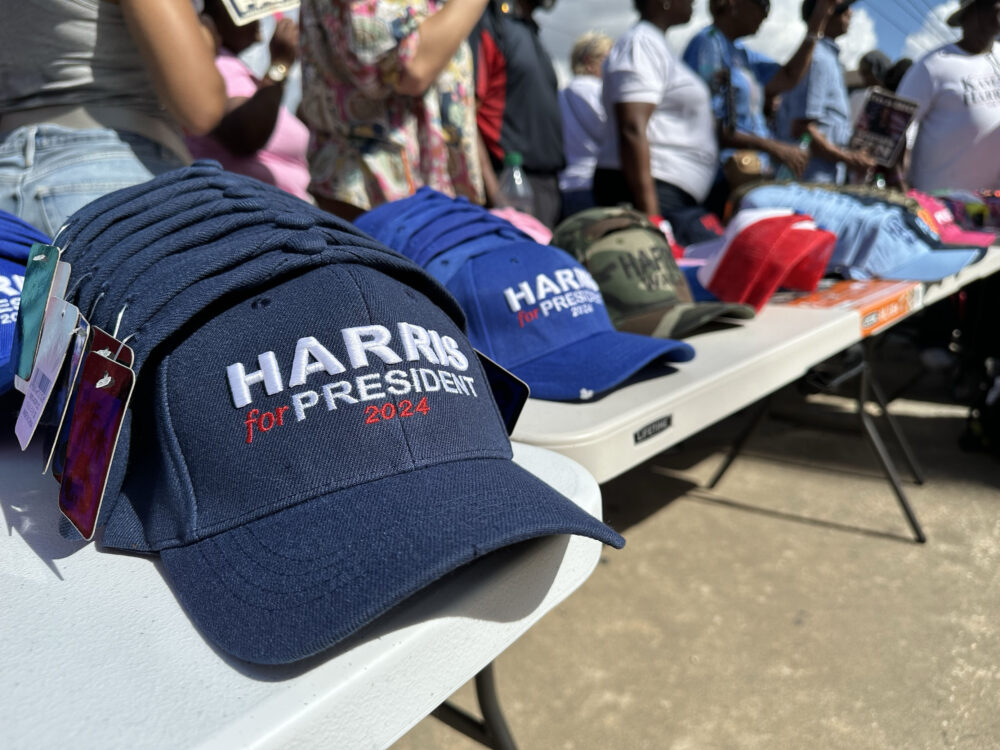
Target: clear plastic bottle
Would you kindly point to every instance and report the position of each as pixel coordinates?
(514, 185)
(783, 172)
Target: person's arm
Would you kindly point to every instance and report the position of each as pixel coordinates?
(792, 71)
(249, 121)
(491, 184)
(179, 60)
(634, 149)
(439, 38)
(823, 148)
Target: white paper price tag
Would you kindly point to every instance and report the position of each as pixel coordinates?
(57, 331)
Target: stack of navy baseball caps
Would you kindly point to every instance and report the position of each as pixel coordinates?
(16, 238)
(532, 308)
(311, 438)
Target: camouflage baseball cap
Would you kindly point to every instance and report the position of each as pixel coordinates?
(644, 290)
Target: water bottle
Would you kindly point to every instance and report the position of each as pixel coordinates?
(514, 185)
(784, 173)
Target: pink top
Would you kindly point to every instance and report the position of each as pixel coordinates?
(282, 161)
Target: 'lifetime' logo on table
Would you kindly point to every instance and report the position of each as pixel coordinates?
(653, 428)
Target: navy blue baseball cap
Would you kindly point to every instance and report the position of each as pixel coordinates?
(316, 452)
(537, 311)
(177, 211)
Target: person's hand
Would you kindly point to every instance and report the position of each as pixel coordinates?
(859, 161)
(822, 12)
(791, 156)
(284, 44)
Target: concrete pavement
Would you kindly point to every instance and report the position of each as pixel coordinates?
(787, 608)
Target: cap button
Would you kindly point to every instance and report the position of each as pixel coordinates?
(205, 166)
(238, 191)
(307, 243)
(295, 221)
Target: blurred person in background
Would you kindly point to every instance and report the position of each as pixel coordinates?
(388, 96)
(660, 153)
(94, 98)
(257, 136)
(957, 142)
(517, 103)
(872, 68)
(741, 81)
(818, 106)
(895, 73)
(583, 121)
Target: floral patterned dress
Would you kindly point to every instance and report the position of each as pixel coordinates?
(370, 144)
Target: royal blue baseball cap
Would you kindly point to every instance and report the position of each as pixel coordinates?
(535, 310)
(429, 224)
(17, 236)
(11, 281)
(318, 451)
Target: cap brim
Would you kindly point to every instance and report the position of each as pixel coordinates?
(596, 364)
(292, 584)
(953, 234)
(682, 319)
(932, 265)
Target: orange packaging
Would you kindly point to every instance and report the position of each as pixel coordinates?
(879, 303)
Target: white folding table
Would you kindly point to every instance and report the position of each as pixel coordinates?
(732, 369)
(97, 653)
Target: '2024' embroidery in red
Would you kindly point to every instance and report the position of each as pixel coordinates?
(388, 410)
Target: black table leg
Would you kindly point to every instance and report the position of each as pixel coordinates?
(492, 731)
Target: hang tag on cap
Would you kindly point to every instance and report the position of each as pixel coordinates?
(38, 277)
(65, 388)
(106, 345)
(509, 391)
(102, 398)
(59, 324)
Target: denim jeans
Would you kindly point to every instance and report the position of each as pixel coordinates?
(47, 172)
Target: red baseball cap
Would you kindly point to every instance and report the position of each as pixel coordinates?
(762, 250)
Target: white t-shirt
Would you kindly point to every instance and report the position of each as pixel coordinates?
(957, 142)
(583, 122)
(681, 130)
